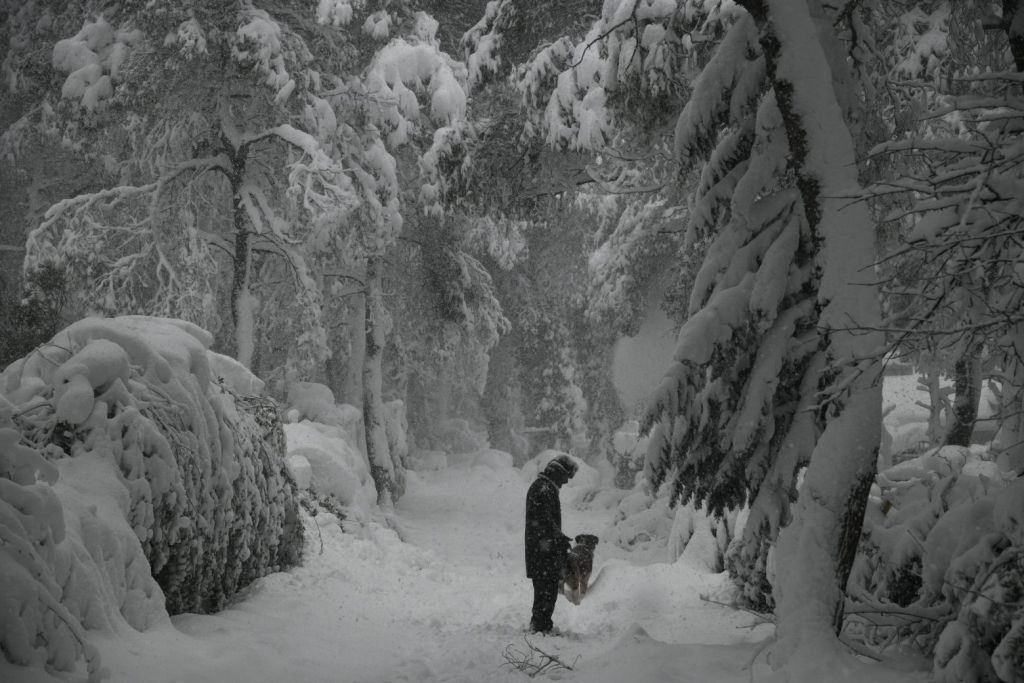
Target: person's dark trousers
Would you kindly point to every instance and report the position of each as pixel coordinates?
(545, 592)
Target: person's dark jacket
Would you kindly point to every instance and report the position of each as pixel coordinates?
(546, 545)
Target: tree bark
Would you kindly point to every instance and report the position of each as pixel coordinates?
(352, 383)
(932, 381)
(1013, 22)
(382, 468)
(1008, 444)
(242, 305)
(967, 388)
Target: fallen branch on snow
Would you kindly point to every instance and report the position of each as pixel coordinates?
(534, 661)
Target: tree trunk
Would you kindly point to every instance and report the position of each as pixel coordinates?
(932, 381)
(352, 383)
(967, 388)
(1013, 20)
(382, 467)
(1008, 444)
(815, 552)
(243, 304)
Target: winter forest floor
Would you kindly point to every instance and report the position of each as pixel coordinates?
(445, 602)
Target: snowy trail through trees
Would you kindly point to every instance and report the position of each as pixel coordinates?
(442, 605)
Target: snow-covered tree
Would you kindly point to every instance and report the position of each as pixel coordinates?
(404, 162)
(770, 306)
(958, 193)
(216, 100)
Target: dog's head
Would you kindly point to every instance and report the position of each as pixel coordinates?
(586, 540)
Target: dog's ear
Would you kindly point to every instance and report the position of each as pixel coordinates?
(581, 538)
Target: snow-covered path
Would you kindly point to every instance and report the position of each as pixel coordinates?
(442, 604)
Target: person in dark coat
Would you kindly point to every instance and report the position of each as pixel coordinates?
(546, 545)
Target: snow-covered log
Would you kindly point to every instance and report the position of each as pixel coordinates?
(197, 472)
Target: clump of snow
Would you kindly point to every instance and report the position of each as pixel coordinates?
(335, 12)
(378, 25)
(315, 402)
(301, 471)
(337, 468)
(701, 540)
(642, 522)
(235, 376)
(92, 58)
(259, 45)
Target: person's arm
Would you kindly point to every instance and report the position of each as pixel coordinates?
(554, 530)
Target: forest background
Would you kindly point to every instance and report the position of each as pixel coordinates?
(465, 207)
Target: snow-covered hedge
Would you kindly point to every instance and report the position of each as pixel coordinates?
(50, 583)
(942, 565)
(149, 441)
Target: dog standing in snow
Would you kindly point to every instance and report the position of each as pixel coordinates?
(579, 564)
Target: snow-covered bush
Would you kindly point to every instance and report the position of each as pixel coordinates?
(942, 565)
(206, 492)
(42, 566)
(337, 469)
(641, 521)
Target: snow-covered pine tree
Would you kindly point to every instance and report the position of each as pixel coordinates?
(774, 367)
(808, 75)
(735, 415)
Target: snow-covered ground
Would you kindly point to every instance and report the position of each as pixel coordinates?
(435, 591)
(441, 606)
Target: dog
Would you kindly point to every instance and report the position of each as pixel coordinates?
(579, 563)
